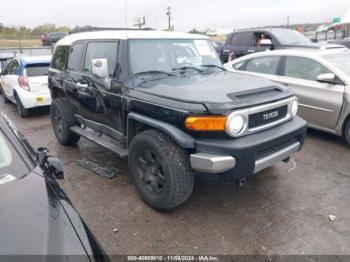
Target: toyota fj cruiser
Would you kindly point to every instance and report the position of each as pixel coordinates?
(163, 101)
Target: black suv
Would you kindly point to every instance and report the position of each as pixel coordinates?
(250, 41)
(163, 101)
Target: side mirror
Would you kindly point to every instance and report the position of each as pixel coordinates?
(326, 78)
(49, 163)
(100, 67)
(266, 43)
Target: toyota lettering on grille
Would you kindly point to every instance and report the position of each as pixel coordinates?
(270, 116)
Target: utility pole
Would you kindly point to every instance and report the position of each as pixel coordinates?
(288, 18)
(168, 13)
(140, 21)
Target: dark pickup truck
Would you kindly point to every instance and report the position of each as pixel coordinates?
(257, 40)
(163, 101)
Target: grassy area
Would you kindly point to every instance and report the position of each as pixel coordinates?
(18, 43)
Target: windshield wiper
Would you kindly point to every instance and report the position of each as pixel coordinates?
(155, 72)
(214, 66)
(187, 67)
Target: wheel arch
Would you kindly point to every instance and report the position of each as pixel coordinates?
(137, 123)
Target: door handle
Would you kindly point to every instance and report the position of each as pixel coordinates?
(251, 51)
(226, 50)
(285, 84)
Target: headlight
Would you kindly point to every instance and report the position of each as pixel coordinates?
(294, 107)
(235, 124)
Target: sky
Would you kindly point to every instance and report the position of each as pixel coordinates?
(187, 14)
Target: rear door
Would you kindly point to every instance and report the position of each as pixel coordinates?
(77, 89)
(236, 46)
(37, 75)
(319, 103)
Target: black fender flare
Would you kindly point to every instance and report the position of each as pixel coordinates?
(180, 137)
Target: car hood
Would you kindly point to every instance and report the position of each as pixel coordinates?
(219, 92)
(34, 221)
(313, 45)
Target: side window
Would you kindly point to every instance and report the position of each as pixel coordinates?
(106, 50)
(75, 57)
(11, 68)
(304, 68)
(240, 39)
(59, 59)
(258, 36)
(263, 65)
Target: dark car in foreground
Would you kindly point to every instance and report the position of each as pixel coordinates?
(52, 38)
(37, 217)
(163, 101)
(257, 40)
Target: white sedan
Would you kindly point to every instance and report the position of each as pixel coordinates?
(24, 81)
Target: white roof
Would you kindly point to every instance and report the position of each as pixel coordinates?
(127, 34)
(346, 18)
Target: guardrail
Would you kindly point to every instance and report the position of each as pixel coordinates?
(29, 51)
(326, 36)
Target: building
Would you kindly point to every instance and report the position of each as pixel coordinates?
(346, 23)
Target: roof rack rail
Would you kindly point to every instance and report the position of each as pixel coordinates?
(94, 28)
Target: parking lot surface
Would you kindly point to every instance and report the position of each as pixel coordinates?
(282, 210)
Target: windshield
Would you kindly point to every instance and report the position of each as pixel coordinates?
(340, 61)
(168, 54)
(288, 37)
(10, 162)
(37, 70)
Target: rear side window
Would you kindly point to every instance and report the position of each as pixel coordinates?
(75, 57)
(37, 70)
(12, 67)
(241, 39)
(106, 50)
(263, 65)
(59, 59)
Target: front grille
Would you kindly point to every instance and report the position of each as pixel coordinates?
(267, 117)
(273, 149)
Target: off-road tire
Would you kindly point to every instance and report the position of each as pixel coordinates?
(20, 108)
(62, 118)
(347, 132)
(174, 166)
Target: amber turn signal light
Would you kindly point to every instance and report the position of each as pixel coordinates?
(206, 123)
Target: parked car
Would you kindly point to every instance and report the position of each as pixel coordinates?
(344, 42)
(52, 38)
(163, 101)
(37, 217)
(24, 82)
(257, 40)
(320, 79)
(4, 59)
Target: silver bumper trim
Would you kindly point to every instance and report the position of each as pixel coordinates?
(276, 157)
(212, 164)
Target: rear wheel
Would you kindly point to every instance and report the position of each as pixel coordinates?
(62, 119)
(4, 98)
(20, 108)
(160, 170)
(347, 131)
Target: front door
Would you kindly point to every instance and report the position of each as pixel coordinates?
(107, 91)
(319, 103)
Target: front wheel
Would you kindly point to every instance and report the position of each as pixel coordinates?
(62, 119)
(347, 131)
(160, 170)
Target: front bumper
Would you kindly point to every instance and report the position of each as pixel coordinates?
(248, 155)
